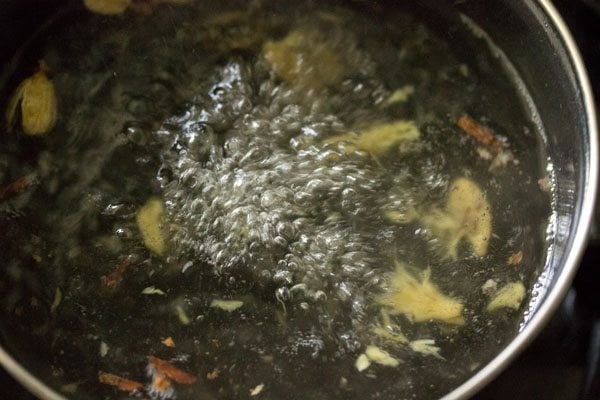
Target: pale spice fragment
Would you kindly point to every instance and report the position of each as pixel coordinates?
(256, 391)
(169, 342)
(489, 287)
(426, 347)
(381, 357)
(152, 290)
(37, 98)
(509, 296)
(362, 362)
(103, 349)
(419, 299)
(149, 219)
(57, 300)
(181, 314)
(400, 95)
(545, 184)
(226, 305)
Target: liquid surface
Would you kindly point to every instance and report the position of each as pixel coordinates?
(290, 211)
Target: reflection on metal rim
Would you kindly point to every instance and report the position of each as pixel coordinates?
(553, 297)
(556, 294)
(32, 384)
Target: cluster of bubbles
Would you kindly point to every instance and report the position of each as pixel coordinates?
(249, 185)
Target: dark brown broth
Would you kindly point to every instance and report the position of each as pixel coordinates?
(128, 86)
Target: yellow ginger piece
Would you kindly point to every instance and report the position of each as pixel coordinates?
(149, 219)
(362, 362)
(37, 98)
(426, 347)
(301, 58)
(378, 139)
(467, 215)
(107, 7)
(419, 299)
(509, 296)
(226, 305)
(400, 95)
(380, 356)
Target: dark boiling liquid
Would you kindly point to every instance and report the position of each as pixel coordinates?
(182, 105)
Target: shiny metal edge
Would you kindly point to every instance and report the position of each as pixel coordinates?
(29, 381)
(557, 293)
(551, 302)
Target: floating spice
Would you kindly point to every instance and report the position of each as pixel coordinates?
(467, 215)
(257, 389)
(169, 342)
(362, 362)
(37, 99)
(149, 219)
(161, 384)
(426, 347)
(479, 132)
(301, 58)
(226, 305)
(516, 258)
(167, 369)
(214, 374)
(126, 385)
(509, 296)
(103, 349)
(378, 139)
(381, 357)
(419, 299)
(57, 300)
(400, 95)
(152, 290)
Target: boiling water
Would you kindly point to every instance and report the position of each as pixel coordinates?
(183, 105)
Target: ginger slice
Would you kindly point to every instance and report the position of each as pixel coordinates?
(149, 219)
(510, 295)
(467, 215)
(378, 139)
(301, 58)
(419, 299)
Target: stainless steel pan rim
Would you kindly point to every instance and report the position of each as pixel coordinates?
(555, 296)
(552, 299)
